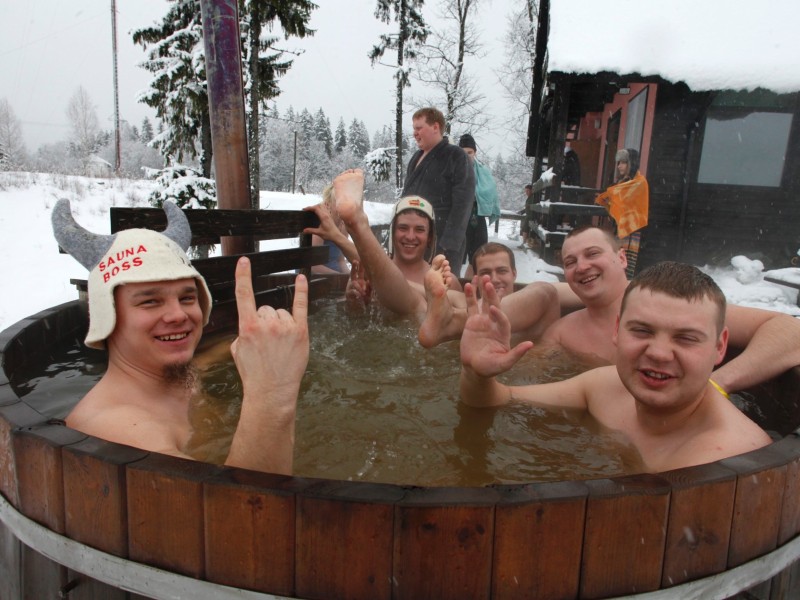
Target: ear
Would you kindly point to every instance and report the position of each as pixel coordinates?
(722, 345)
(623, 257)
(615, 337)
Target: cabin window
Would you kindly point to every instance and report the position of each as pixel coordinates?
(744, 147)
(634, 124)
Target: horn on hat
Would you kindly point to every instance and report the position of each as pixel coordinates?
(83, 245)
(178, 229)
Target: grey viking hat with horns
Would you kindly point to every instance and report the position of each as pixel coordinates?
(129, 256)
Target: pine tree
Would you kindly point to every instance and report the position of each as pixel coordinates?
(178, 90)
(12, 148)
(411, 31)
(146, 134)
(340, 140)
(263, 64)
(322, 132)
(358, 138)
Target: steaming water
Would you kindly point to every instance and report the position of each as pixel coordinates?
(375, 406)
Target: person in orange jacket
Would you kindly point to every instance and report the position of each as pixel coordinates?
(627, 201)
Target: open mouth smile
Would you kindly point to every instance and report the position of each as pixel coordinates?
(172, 337)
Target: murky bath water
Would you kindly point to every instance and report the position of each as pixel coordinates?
(375, 406)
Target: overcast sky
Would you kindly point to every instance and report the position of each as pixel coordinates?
(50, 47)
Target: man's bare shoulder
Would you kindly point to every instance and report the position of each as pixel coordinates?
(106, 417)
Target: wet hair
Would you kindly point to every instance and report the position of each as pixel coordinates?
(609, 235)
(431, 115)
(679, 280)
(492, 248)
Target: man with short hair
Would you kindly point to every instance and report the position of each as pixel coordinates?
(527, 214)
(147, 307)
(442, 174)
(498, 263)
(669, 335)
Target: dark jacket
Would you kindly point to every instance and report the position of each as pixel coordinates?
(446, 179)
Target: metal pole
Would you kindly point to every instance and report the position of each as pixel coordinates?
(226, 107)
(294, 166)
(117, 141)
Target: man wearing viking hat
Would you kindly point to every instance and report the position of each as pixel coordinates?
(147, 308)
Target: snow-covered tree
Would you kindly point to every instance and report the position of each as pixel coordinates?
(441, 67)
(322, 131)
(12, 147)
(85, 138)
(178, 90)
(379, 163)
(146, 135)
(183, 185)
(358, 138)
(177, 60)
(264, 63)
(340, 139)
(411, 31)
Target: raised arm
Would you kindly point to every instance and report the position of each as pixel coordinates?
(771, 343)
(271, 354)
(328, 230)
(486, 349)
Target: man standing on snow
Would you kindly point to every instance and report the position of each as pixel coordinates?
(441, 173)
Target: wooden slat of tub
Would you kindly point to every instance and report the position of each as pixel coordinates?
(95, 495)
(12, 416)
(443, 543)
(165, 512)
(623, 549)
(344, 540)
(250, 530)
(538, 538)
(37, 453)
(699, 526)
(790, 511)
(761, 479)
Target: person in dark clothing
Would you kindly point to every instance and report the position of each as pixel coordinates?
(441, 173)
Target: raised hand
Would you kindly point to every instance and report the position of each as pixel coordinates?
(486, 341)
(272, 349)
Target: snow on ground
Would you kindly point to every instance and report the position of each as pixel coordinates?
(36, 276)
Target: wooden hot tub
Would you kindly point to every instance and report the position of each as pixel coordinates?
(83, 516)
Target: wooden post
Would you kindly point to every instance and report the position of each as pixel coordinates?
(226, 105)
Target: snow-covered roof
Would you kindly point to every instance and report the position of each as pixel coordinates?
(708, 44)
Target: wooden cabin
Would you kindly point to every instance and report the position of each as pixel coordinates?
(723, 165)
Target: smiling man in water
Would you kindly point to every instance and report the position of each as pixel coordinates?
(669, 336)
(150, 317)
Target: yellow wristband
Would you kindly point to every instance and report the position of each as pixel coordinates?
(719, 388)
